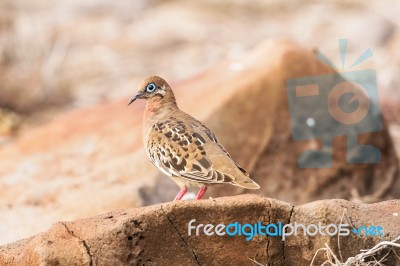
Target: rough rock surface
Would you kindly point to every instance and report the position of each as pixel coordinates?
(158, 235)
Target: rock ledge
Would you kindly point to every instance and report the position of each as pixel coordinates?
(158, 234)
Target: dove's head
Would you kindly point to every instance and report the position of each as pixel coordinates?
(154, 89)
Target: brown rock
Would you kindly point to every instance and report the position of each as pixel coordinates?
(253, 123)
(158, 235)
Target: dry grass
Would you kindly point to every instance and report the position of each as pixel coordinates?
(31, 59)
(367, 257)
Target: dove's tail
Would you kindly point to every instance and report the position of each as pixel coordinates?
(246, 183)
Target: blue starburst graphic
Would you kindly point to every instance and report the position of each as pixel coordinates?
(339, 104)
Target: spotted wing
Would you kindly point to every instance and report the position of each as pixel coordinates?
(213, 138)
(179, 151)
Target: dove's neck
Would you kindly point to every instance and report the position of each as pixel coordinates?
(159, 108)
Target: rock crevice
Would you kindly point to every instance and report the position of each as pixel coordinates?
(179, 234)
(84, 243)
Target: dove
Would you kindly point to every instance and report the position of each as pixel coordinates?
(181, 146)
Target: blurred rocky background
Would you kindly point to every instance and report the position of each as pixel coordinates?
(70, 148)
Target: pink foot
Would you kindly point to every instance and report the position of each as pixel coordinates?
(181, 193)
(201, 193)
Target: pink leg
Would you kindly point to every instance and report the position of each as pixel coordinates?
(181, 193)
(201, 193)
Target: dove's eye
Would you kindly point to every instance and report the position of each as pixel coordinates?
(150, 87)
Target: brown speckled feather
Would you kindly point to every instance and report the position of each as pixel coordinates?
(184, 147)
(178, 150)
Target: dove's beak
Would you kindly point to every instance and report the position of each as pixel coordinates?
(134, 98)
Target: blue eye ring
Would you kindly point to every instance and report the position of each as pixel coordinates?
(151, 87)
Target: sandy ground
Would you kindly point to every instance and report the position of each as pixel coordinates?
(71, 54)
